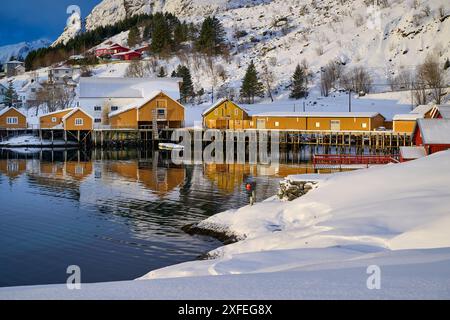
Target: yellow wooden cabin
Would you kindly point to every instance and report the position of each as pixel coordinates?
(161, 108)
(319, 121)
(11, 118)
(73, 119)
(225, 114)
(405, 123)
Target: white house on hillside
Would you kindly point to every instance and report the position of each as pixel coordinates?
(60, 75)
(14, 68)
(99, 96)
(27, 94)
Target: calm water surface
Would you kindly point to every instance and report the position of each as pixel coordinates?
(116, 214)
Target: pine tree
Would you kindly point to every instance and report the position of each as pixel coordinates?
(212, 36)
(134, 37)
(162, 72)
(161, 36)
(299, 84)
(187, 88)
(10, 95)
(251, 86)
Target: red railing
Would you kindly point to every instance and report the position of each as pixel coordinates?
(347, 159)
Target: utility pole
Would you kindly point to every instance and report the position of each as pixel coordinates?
(304, 106)
(350, 100)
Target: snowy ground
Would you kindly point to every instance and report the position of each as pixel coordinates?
(30, 140)
(316, 247)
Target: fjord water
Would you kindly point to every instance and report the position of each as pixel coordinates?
(117, 214)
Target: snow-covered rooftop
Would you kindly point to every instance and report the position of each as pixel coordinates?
(128, 87)
(435, 131)
(444, 111)
(422, 109)
(411, 153)
(4, 110)
(319, 114)
(218, 103)
(408, 116)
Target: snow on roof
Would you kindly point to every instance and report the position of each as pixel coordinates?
(422, 109)
(5, 110)
(444, 111)
(128, 87)
(435, 131)
(218, 103)
(15, 62)
(412, 152)
(75, 110)
(125, 53)
(55, 112)
(319, 114)
(408, 116)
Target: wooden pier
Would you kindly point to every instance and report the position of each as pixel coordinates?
(387, 141)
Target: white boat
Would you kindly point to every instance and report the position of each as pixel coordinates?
(170, 146)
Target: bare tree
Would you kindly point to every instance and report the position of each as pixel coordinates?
(330, 76)
(358, 80)
(55, 97)
(433, 76)
(268, 79)
(141, 69)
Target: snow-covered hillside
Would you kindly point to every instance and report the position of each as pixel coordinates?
(386, 39)
(21, 50)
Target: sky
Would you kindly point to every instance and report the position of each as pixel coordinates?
(27, 20)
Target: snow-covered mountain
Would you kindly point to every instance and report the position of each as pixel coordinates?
(73, 28)
(21, 50)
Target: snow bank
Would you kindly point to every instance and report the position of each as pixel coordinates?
(371, 211)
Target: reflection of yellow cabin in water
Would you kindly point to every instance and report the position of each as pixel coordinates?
(78, 170)
(73, 169)
(226, 114)
(13, 168)
(161, 181)
(228, 177)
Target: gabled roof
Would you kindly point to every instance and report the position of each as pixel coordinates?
(411, 153)
(55, 112)
(218, 103)
(125, 53)
(444, 111)
(434, 131)
(135, 88)
(319, 114)
(422, 109)
(139, 104)
(5, 110)
(408, 116)
(74, 110)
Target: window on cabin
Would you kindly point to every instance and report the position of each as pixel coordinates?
(161, 103)
(236, 112)
(97, 108)
(12, 120)
(79, 121)
(277, 124)
(97, 120)
(161, 113)
(364, 125)
(317, 124)
(114, 108)
(54, 119)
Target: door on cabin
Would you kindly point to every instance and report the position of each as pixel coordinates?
(335, 125)
(260, 124)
